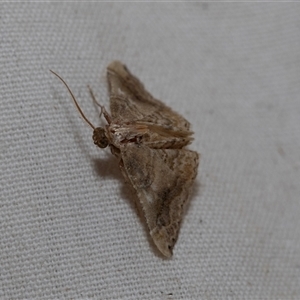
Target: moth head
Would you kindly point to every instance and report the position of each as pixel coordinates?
(163, 241)
(100, 138)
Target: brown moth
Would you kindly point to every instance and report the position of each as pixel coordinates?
(148, 139)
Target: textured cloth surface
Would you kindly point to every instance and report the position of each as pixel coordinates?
(68, 225)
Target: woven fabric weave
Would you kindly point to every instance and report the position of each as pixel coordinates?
(68, 225)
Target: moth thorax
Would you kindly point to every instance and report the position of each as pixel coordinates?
(100, 138)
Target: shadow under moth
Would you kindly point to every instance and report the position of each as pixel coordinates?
(148, 138)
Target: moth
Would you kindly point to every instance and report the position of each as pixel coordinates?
(148, 138)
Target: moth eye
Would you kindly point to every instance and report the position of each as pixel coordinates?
(100, 138)
(102, 143)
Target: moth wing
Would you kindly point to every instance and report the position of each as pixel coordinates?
(129, 101)
(162, 179)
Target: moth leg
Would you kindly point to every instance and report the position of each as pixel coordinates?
(103, 110)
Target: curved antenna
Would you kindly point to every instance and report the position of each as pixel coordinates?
(93, 97)
(73, 97)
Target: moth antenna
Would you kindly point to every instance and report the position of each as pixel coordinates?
(94, 99)
(93, 96)
(73, 97)
(103, 111)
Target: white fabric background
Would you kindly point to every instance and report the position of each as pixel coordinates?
(68, 228)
